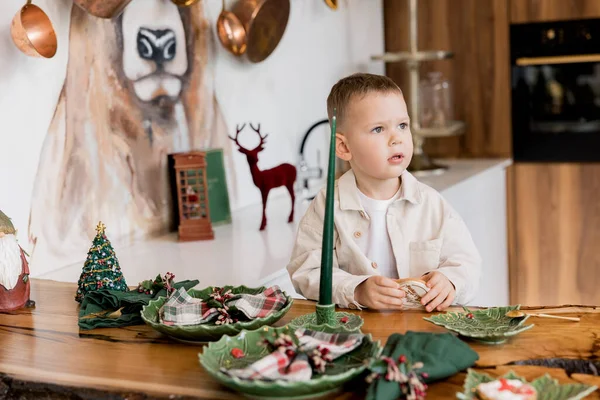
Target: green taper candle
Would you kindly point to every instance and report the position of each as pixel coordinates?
(325, 286)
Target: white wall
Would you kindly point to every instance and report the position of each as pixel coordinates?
(29, 89)
(286, 93)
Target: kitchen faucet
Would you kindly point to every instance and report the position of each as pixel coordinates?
(305, 173)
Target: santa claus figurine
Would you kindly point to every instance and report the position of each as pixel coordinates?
(14, 270)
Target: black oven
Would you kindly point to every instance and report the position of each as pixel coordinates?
(555, 79)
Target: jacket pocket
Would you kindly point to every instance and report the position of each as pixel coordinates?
(424, 256)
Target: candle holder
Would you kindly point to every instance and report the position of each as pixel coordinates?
(325, 318)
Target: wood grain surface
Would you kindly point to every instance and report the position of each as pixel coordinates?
(45, 345)
(552, 10)
(555, 225)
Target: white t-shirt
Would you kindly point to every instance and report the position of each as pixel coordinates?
(377, 245)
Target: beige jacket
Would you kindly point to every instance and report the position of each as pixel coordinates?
(426, 233)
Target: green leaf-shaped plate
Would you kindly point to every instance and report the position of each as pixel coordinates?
(490, 326)
(209, 331)
(217, 355)
(547, 387)
(352, 325)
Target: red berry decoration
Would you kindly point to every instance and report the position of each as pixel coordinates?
(470, 316)
(402, 359)
(237, 353)
(504, 385)
(343, 320)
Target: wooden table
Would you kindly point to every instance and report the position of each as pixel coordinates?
(42, 350)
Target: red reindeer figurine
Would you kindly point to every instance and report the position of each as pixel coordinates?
(281, 175)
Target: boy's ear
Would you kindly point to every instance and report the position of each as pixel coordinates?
(341, 147)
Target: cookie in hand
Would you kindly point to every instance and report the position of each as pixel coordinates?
(415, 289)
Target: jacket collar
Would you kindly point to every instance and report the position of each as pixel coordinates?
(350, 200)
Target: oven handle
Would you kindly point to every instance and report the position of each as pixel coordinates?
(580, 58)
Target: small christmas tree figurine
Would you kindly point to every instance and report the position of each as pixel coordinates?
(101, 269)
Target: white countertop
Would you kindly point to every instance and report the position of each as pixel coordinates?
(240, 253)
(462, 170)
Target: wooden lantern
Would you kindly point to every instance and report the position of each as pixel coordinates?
(192, 196)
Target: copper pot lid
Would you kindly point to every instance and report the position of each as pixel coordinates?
(265, 28)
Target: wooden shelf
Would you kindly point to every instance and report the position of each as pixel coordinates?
(417, 56)
(454, 128)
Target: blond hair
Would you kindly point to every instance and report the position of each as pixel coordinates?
(358, 84)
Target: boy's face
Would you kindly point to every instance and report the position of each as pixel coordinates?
(375, 137)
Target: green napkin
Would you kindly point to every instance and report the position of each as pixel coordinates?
(442, 354)
(98, 308)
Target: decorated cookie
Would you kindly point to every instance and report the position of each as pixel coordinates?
(506, 389)
(415, 289)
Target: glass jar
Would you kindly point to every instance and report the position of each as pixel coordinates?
(436, 106)
(425, 104)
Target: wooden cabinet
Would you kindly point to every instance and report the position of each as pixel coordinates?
(554, 233)
(477, 32)
(550, 10)
(554, 209)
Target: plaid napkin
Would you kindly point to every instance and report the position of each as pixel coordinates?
(114, 308)
(183, 309)
(292, 362)
(260, 305)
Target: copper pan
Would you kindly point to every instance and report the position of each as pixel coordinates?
(33, 33)
(333, 4)
(265, 22)
(231, 32)
(103, 8)
(184, 3)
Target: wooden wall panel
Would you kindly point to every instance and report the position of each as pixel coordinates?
(555, 234)
(477, 32)
(551, 10)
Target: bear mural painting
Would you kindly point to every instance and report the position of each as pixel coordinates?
(138, 87)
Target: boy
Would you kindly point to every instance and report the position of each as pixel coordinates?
(388, 225)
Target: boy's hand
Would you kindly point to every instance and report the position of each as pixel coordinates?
(379, 293)
(441, 292)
